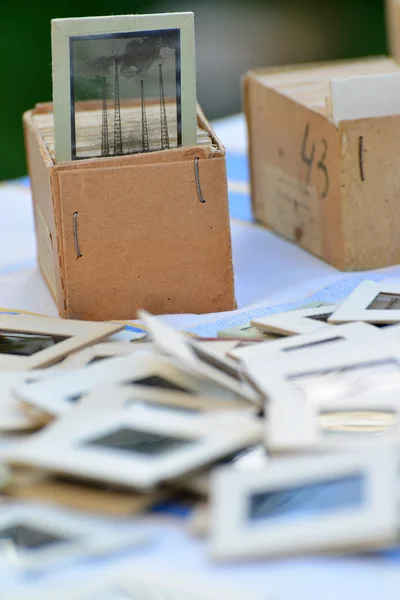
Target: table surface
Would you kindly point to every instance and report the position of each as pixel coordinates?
(271, 275)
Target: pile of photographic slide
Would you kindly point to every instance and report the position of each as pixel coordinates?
(282, 436)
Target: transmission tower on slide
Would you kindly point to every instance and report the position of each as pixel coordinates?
(163, 115)
(105, 144)
(117, 114)
(145, 130)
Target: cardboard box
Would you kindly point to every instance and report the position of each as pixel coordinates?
(145, 238)
(393, 27)
(332, 188)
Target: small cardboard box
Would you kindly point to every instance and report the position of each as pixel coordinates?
(332, 188)
(120, 233)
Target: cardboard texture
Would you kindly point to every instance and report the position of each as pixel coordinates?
(331, 188)
(145, 238)
(393, 27)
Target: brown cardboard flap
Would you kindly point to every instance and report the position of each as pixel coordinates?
(146, 239)
(393, 26)
(295, 171)
(371, 215)
(45, 209)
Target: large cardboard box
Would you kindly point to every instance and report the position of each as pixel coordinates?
(144, 237)
(116, 234)
(332, 188)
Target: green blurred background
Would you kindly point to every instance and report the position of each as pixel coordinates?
(231, 36)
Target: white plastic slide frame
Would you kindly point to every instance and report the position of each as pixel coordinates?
(40, 535)
(371, 302)
(292, 322)
(132, 448)
(325, 503)
(141, 370)
(32, 342)
(370, 421)
(315, 342)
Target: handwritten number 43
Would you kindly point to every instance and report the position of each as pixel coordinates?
(308, 156)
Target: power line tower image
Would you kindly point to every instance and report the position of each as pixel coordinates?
(117, 113)
(105, 143)
(145, 130)
(163, 115)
